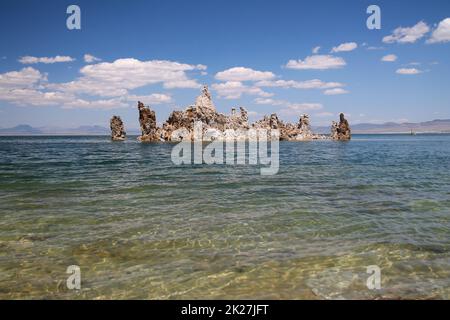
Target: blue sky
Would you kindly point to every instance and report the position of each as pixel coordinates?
(256, 54)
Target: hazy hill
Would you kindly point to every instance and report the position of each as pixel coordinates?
(435, 126)
(81, 130)
(22, 129)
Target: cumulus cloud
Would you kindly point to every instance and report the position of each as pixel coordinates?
(89, 58)
(441, 33)
(324, 114)
(273, 102)
(308, 84)
(154, 98)
(315, 50)
(27, 77)
(25, 87)
(408, 71)
(118, 102)
(110, 79)
(201, 67)
(182, 84)
(108, 85)
(235, 89)
(34, 97)
(105, 104)
(408, 35)
(297, 108)
(243, 74)
(290, 108)
(335, 91)
(348, 46)
(389, 58)
(46, 60)
(317, 62)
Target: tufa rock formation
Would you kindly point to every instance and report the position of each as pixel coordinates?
(117, 129)
(217, 126)
(147, 121)
(341, 130)
(289, 131)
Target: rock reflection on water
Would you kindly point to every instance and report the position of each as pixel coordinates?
(141, 228)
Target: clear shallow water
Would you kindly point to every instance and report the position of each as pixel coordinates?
(140, 227)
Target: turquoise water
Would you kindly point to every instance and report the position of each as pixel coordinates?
(140, 227)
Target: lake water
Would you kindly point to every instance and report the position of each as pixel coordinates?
(140, 227)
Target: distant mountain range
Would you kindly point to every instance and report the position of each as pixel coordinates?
(25, 129)
(435, 126)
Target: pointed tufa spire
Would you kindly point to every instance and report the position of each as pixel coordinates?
(147, 122)
(204, 102)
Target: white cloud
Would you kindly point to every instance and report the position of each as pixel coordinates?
(315, 50)
(344, 47)
(30, 87)
(182, 84)
(111, 79)
(201, 67)
(235, 89)
(27, 77)
(324, 114)
(308, 84)
(375, 48)
(289, 107)
(105, 104)
(34, 97)
(273, 102)
(408, 35)
(154, 98)
(297, 108)
(389, 58)
(24, 88)
(441, 33)
(117, 102)
(335, 91)
(317, 62)
(243, 74)
(47, 60)
(408, 71)
(89, 58)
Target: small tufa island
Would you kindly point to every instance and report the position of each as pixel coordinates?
(117, 129)
(217, 126)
